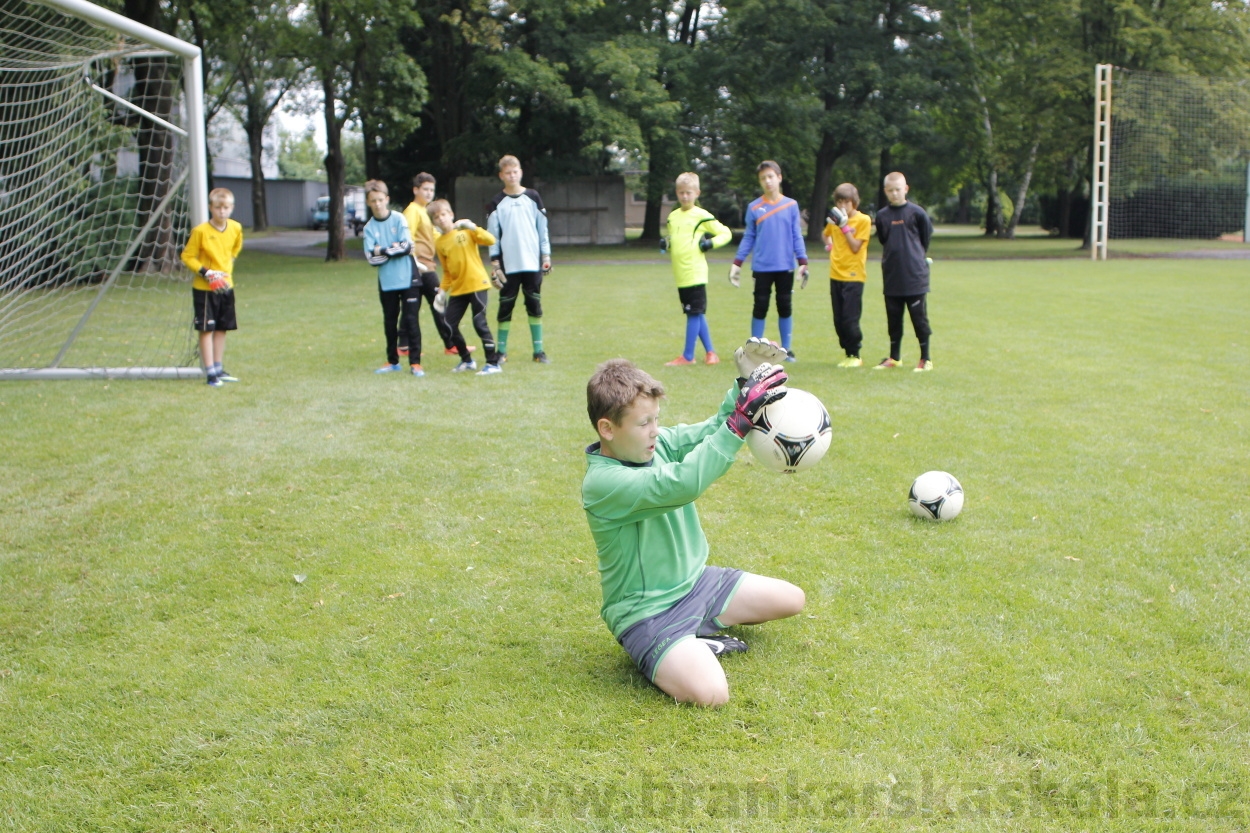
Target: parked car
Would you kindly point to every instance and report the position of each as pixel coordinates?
(319, 214)
(356, 219)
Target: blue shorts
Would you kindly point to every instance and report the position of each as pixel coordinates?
(695, 614)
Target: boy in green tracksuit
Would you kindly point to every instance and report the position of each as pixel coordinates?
(661, 600)
(692, 231)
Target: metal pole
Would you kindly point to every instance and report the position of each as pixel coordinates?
(197, 191)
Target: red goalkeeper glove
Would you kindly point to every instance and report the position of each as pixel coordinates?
(765, 385)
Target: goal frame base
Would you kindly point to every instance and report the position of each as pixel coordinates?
(59, 373)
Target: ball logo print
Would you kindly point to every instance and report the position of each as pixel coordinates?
(791, 434)
(935, 496)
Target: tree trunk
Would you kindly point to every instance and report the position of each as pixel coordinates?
(153, 91)
(373, 164)
(885, 165)
(963, 214)
(993, 205)
(1022, 193)
(829, 152)
(334, 175)
(255, 129)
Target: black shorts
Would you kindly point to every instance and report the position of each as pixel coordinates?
(214, 311)
(693, 299)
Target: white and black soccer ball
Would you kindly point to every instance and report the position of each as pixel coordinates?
(936, 496)
(791, 434)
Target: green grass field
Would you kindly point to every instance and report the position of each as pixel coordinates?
(1070, 654)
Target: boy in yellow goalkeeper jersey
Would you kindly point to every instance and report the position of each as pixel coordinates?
(210, 254)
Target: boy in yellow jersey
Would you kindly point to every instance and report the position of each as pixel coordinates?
(464, 283)
(210, 253)
(691, 232)
(846, 238)
(423, 234)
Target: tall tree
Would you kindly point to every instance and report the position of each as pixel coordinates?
(852, 73)
(344, 36)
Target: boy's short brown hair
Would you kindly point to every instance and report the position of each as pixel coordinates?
(438, 207)
(846, 191)
(219, 195)
(509, 161)
(688, 178)
(376, 185)
(422, 178)
(768, 165)
(614, 387)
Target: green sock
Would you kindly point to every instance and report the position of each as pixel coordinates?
(501, 341)
(536, 333)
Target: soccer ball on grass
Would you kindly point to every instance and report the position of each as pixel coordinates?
(936, 496)
(791, 434)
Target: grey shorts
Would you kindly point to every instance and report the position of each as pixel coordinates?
(695, 614)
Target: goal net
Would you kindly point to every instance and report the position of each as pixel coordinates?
(1180, 156)
(95, 189)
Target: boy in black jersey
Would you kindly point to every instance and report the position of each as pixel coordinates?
(904, 230)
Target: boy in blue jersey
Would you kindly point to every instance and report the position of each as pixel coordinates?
(521, 254)
(773, 241)
(661, 599)
(388, 246)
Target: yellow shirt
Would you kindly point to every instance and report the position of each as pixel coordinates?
(845, 265)
(423, 235)
(463, 271)
(209, 248)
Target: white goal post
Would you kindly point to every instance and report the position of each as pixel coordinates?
(103, 172)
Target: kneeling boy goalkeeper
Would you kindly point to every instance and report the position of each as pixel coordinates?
(661, 600)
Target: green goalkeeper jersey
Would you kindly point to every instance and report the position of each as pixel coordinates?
(684, 231)
(651, 546)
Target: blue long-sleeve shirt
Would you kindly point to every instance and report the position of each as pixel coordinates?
(774, 236)
(396, 273)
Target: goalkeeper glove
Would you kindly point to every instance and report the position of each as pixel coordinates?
(705, 244)
(755, 352)
(663, 245)
(803, 273)
(546, 266)
(397, 249)
(765, 385)
(497, 277)
(837, 216)
(217, 281)
(734, 272)
(440, 301)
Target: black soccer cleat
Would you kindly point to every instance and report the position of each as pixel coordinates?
(723, 644)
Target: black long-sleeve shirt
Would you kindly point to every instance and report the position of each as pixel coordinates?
(904, 232)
